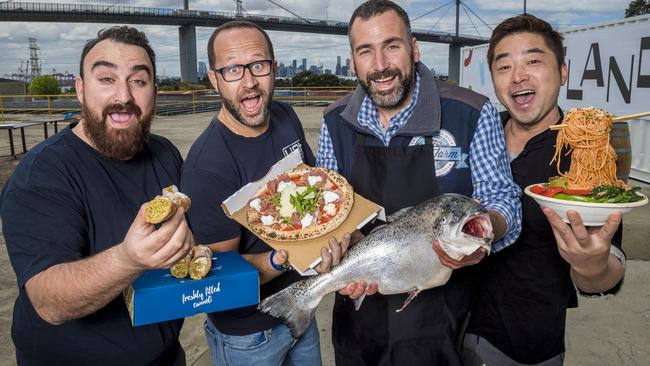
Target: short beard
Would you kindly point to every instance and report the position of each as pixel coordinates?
(113, 143)
(394, 98)
(234, 110)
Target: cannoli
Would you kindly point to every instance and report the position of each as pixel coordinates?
(182, 268)
(201, 262)
(163, 207)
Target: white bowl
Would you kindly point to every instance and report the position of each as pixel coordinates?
(592, 214)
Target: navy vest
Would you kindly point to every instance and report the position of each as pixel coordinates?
(459, 111)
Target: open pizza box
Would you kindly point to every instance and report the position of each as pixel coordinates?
(303, 254)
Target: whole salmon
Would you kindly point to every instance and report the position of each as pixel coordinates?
(398, 256)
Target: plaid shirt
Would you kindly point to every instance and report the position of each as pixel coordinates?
(490, 167)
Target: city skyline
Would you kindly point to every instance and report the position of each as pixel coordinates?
(61, 43)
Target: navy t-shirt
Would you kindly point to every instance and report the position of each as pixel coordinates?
(66, 202)
(219, 163)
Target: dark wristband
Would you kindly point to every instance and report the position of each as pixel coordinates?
(280, 268)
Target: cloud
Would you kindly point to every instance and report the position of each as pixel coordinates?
(61, 43)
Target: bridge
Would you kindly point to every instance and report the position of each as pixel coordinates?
(188, 20)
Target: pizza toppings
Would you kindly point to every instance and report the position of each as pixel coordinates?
(267, 220)
(313, 179)
(307, 220)
(306, 201)
(282, 186)
(300, 201)
(286, 207)
(330, 209)
(330, 197)
(256, 204)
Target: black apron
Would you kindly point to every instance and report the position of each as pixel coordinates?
(425, 332)
(525, 289)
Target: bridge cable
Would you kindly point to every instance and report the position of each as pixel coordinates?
(431, 11)
(294, 14)
(442, 16)
(476, 15)
(470, 19)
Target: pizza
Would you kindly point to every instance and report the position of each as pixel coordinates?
(302, 203)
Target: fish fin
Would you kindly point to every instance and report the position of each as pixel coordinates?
(291, 305)
(358, 301)
(412, 296)
(397, 214)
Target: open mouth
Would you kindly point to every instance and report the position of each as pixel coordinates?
(121, 118)
(385, 82)
(523, 96)
(251, 104)
(479, 226)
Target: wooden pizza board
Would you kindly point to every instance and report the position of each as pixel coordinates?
(303, 254)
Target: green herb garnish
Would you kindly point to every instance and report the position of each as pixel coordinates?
(276, 199)
(613, 194)
(306, 201)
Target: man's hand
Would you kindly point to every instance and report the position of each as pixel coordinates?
(356, 289)
(75, 289)
(332, 256)
(586, 250)
(467, 260)
(144, 247)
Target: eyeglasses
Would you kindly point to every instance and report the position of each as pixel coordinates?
(236, 72)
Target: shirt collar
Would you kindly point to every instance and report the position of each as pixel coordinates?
(369, 117)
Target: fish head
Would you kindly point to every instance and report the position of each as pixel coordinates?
(463, 226)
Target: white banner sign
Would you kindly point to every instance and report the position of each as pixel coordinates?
(609, 67)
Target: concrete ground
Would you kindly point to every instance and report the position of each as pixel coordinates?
(601, 332)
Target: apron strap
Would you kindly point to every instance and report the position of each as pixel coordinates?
(359, 139)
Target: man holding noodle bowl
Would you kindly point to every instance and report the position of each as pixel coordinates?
(520, 308)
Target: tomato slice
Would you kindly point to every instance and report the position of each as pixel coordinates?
(546, 191)
(538, 189)
(290, 227)
(552, 191)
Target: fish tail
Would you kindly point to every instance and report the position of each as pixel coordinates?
(293, 306)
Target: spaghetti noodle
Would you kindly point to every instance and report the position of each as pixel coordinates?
(593, 159)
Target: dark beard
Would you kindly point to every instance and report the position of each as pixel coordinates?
(392, 99)
(119, 144)
(235, 112)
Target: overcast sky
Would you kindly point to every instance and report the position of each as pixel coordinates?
(61, 43)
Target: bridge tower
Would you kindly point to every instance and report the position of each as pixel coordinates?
(187, 41)
(454, 51)
(240, 8)
(34, 58)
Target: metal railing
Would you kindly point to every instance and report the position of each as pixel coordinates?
(167, 103)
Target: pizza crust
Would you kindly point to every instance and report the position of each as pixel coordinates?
(314, 230)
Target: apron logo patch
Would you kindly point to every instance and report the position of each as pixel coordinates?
(291, 147)
(446, 154)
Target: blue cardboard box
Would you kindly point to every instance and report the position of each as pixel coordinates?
(157, 296)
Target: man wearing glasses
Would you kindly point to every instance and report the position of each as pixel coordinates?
(249, 135)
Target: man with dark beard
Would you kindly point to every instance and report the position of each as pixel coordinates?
(401, 138)
(249, 135)
(73, 219)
